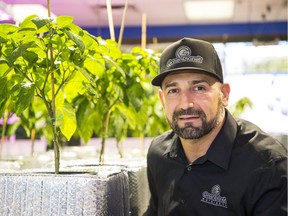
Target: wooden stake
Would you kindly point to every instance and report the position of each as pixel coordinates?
(155, 44)
(110, 19)
(143, 38)
(123, 23)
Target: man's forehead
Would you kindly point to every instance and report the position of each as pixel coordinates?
(187, 76)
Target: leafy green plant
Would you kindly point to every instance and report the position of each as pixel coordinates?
(143, 65)
(118, 99)
(53, 62)
(71, 82)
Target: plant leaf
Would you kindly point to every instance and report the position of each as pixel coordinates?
(25, 97)
(94, 65)
(41, 22)
(31, 57)
(7, 28)
(4, 92)
(19, 51)
(76, 39)
(117, 66)
(66, 119)
(64, 21)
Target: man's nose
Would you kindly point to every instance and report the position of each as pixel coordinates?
(186, 100)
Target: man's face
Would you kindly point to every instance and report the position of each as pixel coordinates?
(193, 103)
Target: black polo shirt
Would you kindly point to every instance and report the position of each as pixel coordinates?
(244, 172)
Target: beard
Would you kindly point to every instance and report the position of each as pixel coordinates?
(189, 131)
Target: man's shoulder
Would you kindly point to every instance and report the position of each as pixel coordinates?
(258, 142)
(166, 136)
(160, 143)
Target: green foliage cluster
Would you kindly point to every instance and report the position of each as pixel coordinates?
(240, 106)
(99, 90)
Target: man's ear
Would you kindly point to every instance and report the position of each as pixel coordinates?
(225, 89)
(161, 96)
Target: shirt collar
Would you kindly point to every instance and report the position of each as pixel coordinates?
(220, 150)
(173, 147)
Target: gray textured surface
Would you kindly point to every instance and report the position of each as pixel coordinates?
(68, 194)
(29, 187)
(138, 190)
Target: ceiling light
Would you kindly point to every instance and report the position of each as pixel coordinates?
(21, 11)
(208, 9)
(5, 17)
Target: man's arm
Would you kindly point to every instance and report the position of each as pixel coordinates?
(153, 202)
(269, 195)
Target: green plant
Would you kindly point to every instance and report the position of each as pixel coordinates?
(58, 74)
(53, 62)
(119, 98)
(240, 106)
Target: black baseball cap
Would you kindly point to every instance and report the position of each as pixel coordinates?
(189, 54)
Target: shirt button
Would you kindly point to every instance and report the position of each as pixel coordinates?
(182, 201)
(189, 168)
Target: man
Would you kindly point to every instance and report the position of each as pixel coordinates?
(209, 164)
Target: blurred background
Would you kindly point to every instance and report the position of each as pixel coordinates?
(166, 20)
(249, 35)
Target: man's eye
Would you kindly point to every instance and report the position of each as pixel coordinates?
(172, 91)
(199, 88)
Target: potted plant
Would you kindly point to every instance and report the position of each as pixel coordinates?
(60, 73)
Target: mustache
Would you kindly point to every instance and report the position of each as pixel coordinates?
(189, 111)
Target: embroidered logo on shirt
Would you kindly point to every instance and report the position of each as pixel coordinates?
(214, 197)
(184, 54)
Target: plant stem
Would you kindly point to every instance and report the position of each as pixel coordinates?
(120, 149)
(55, 140)
(33, 135)
(53, 117)
(105, 134)
(5, 119)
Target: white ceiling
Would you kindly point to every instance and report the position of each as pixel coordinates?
(93, 13)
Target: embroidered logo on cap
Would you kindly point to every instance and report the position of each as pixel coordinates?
(214, 197)
(184, 54)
